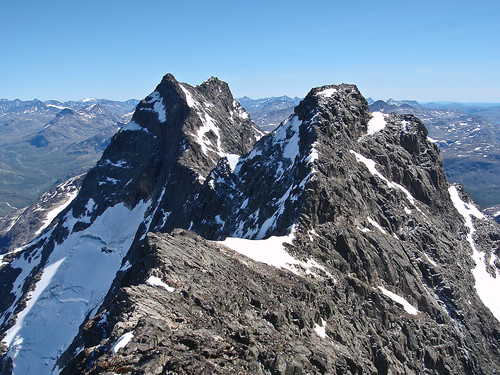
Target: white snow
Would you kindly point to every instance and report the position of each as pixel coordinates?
(48, 274)
(158, 106)
(312, 233)
(165, 214)
(76, 279)
(363, 229)
(486, 285)
(313, 156)
(122, 342)
(370, 164)
(432, 140)
(327, 93)
(126, 266)
(406, 305)
(271, 251)
(156, 281)
(321, 329)
(56, 106)
(291, 149)
(219, 221)
(376, 123)
(287, 134)
(89, 207)
(376, 225)
(232, 159)
(407, 210)
(118, 164)
(133, 126)
(189, 98)
(53, 213)
(430, 260)
(270, 222)
(244, 204)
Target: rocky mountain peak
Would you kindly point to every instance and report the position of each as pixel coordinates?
(340, 106)
(65, 112)
(336, 231)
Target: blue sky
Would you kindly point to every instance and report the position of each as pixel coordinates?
(120, 49)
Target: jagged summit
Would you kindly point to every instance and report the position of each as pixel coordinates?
(356, 251)
(151, 167)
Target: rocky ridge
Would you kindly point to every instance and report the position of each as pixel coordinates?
(377, 273)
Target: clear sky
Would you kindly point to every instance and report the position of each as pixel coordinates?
(118, 49)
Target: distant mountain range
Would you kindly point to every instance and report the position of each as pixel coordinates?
(267, 113)
(45, 143)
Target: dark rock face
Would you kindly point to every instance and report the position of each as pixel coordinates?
(468, 139)
(385, 274)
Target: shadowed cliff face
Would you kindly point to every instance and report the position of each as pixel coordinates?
(332, 245)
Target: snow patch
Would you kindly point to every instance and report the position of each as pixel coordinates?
(312, 233)
(232, 159)
(122, 342)
(376, 123)
(327, 93)
(430, 260)
(363, 229)
(118, 164)
(487, 286)
(400, 300)
(219, 221)
(288, 135)
(56, 106)
(133, 126)
(271, 251)
(244, 204)
(158, 106)
(208, 125)
(156, 281)
(376, 225)
(52, 214)
(321, 329)
(189, 98)
(313, 156)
